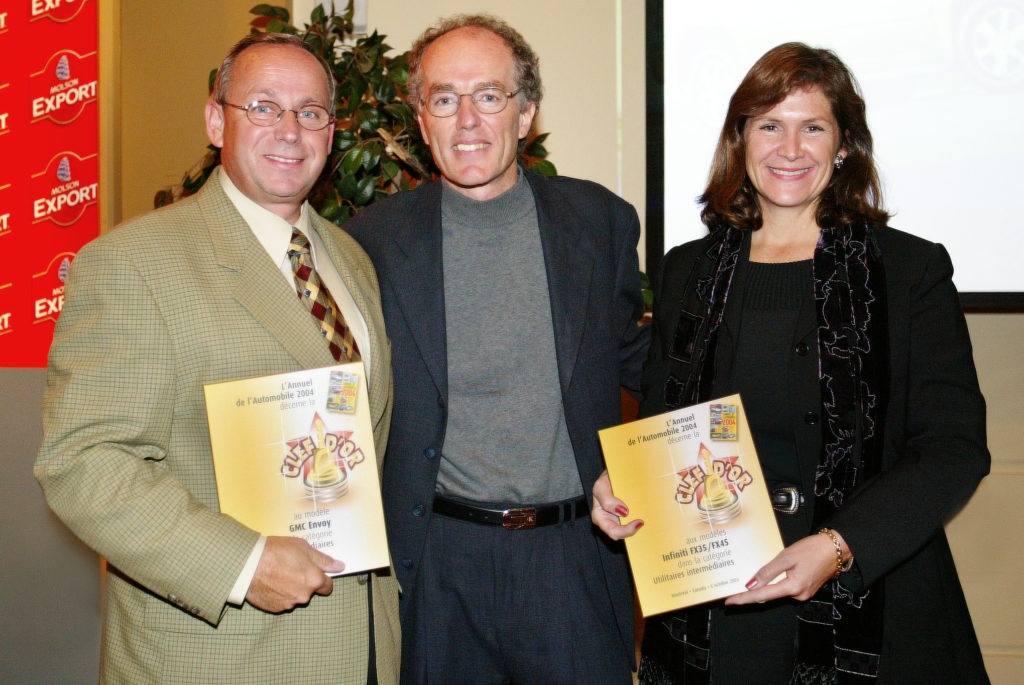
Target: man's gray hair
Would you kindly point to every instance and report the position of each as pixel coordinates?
(220, 85)
(527, 65)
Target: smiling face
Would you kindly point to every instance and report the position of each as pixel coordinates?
(275, 166)
(475, 152)
(790, 154)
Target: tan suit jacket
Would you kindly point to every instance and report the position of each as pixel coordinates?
(154, 310)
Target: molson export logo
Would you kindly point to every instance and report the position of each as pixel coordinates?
(5, 216)
(57, 10)
(48, 288)
(6, 307)
(65, 188)
(61, 90)
(5, 114)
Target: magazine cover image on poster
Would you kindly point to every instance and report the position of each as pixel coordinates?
(294, 455)
(693, 476)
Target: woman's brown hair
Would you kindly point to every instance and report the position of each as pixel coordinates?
(853, 193)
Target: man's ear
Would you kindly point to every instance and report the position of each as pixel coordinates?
(423, 127)
(215, 122)
(526, 119)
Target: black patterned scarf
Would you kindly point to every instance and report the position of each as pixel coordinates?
(839, 633)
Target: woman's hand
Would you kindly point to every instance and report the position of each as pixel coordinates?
(807, 564)
(607, 509)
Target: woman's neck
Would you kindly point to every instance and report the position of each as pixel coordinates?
(785, 237)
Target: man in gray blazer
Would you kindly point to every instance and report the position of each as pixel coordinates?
(197, 293)
(511, 302)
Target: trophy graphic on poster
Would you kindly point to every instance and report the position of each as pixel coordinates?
(326, 480)
(720, 504)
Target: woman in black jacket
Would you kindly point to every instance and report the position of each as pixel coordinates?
(848, 345)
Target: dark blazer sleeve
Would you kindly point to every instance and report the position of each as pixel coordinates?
(635, 338)
(669, 284)
(935, 445)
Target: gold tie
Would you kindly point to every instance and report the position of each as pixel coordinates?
(319, 301)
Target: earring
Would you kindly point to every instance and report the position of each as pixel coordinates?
(839, 162)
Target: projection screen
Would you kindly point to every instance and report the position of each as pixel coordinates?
(944, 86)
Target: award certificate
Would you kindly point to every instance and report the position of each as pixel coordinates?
(294, 455)
(693, 476)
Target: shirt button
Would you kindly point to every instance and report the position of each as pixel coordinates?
(811, 418)
(362, 579)
(406, 562)
(429, 453)
(801, 349)
(419, 510)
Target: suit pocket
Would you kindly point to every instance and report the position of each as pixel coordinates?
(164, 617)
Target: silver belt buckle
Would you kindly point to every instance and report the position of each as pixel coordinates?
(794, 501)
(519, 519)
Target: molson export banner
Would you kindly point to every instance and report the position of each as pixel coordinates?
(49, 179)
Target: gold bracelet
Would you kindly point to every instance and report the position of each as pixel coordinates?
(839, 551)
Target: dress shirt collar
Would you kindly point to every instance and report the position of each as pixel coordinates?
(273, 232)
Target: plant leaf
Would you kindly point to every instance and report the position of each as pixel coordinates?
(347, 187)
(353, 160)
(329, 209)
(278, 26)
(400, 111)
(343, 139)
(371, 155)
(535, 149)
(390, 168)
(544, 168)
(364, 190)
(270, 11)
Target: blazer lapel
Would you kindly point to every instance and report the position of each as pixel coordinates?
(569, 262)
(256, 282)
(414, 266)
(732, 319)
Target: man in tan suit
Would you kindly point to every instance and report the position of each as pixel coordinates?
(198, 293)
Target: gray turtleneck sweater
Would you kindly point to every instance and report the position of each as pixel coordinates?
(506, 441)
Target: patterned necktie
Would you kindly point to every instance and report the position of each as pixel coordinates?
(319, 301)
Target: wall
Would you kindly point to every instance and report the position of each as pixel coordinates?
(986, 537)
(49, 581)
(168, 50)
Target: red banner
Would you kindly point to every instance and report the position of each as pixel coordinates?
(49, 182)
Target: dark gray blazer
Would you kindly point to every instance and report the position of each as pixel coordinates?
(589, 239)
(934, 455)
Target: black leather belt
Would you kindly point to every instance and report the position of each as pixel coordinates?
(787, 500)
(518, 518)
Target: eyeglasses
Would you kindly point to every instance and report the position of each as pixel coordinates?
(445, 103)
(268, 113)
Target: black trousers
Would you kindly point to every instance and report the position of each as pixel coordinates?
(496, 606)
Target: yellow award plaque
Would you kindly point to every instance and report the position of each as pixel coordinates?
(693, 476)
(293, 455)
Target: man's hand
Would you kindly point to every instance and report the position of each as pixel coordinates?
(288, 574)
(607, 509)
